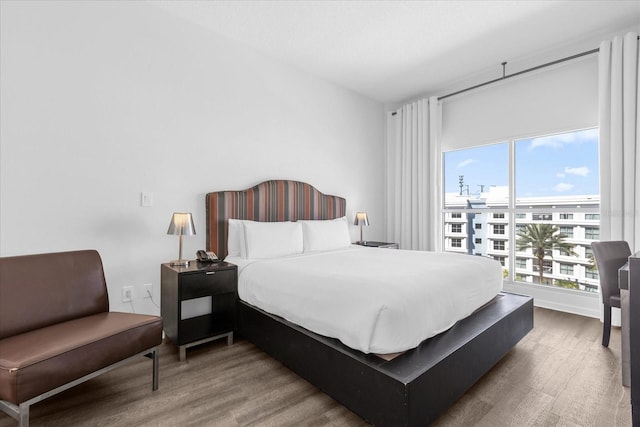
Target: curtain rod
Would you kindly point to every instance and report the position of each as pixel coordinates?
(504, 77)
(528, 70)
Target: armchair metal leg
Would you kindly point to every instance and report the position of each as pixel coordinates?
(154, 357)
(18, 412)
(23, 421)
(606, 327)
(155, 370)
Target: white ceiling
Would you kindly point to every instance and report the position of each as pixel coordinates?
(395, 50)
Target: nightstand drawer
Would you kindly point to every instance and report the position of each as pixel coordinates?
(204, 283)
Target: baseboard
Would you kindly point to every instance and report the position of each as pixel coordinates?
(568, 301)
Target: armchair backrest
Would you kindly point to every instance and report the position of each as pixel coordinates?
(610, 256)
(45, 289)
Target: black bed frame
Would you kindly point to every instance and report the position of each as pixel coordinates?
(411, 390)
(414, 388)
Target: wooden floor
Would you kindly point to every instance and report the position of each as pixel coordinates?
(558, 375)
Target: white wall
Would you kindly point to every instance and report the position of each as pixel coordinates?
(103, 100)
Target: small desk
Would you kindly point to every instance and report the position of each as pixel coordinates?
(623, 284)
(634, 335)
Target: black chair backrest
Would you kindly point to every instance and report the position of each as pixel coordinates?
(610, 256)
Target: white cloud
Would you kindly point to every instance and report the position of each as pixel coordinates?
(591, 134)
(465, 163)
(563, 186)
(580, 171)
(560, 140)
(547, 141)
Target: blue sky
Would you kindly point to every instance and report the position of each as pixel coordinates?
(555, 165)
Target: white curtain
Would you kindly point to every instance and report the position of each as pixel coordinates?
(619, 135)
(413, 175)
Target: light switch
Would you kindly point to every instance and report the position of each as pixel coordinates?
(146, 199)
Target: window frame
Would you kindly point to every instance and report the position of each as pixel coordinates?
(515, 211)
(564, 228)
(566, 268)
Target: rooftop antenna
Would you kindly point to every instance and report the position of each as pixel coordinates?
(461, 182)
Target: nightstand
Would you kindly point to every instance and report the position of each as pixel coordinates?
(198, 303)
(372, 244)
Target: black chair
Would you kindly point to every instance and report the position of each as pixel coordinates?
(610, 256)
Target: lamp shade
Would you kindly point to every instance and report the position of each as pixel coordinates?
(361, 219)
(181, 224)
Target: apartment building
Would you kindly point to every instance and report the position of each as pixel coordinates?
(481, 224)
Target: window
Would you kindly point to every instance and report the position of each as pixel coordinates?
(456, 228)
(567, 231)
(541, 217)
(500, 259)
(588, 252)
(591, 233)
(591, 273)
(547, 266)
(563, 252)
(456, 243)
(566, 269)
(467, 172)
(456, 215)
(541, 183)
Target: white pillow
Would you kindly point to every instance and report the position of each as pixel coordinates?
(235, 238)
(272, 239)
(326, 235)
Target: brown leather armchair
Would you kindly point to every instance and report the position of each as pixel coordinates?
(56, 329)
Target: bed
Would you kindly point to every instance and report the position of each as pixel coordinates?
(411, 387)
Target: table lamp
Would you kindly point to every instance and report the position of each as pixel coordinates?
(182, 225)
(361, 219)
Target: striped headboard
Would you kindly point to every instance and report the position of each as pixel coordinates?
(275, 200)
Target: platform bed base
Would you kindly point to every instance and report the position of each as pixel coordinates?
(414, 388)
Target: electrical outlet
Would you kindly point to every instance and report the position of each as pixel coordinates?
(127, 294)
(148, 290)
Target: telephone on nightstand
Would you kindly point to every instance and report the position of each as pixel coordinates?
(207, 256)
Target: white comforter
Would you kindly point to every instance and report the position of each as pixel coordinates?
(373, 300)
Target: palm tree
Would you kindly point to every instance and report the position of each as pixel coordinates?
(591, 267)
(542, 239)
